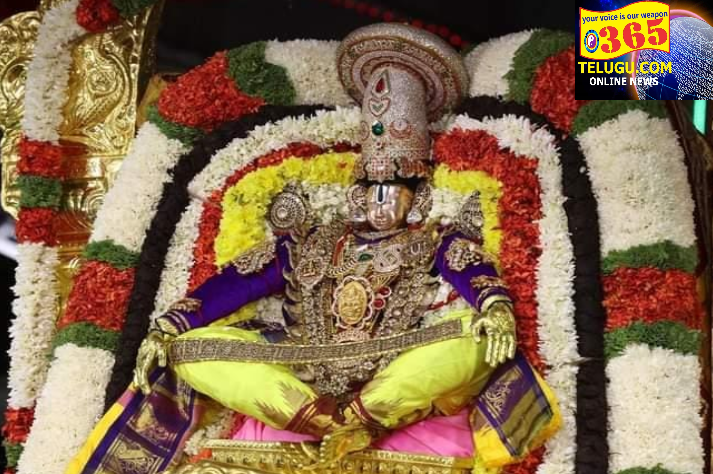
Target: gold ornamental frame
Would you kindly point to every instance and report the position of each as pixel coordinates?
(249, 457)
(109, 76)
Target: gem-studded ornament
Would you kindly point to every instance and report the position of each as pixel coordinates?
(377, 128)
(403, 78)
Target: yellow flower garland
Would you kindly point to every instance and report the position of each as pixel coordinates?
(245, 204)
(466, 182)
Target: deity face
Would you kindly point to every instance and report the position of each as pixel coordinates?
(387, 205)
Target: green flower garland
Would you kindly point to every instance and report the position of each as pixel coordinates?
(256, 77)
(597, 112)
(182, 133)
(85, 334)
(664, 255)
(116, 255)
(38, 191)
(541, 45)
(665, 334)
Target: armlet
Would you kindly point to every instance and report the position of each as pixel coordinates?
(463, 252)
(255, 259)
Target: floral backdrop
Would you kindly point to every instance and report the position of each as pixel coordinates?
(587, 206)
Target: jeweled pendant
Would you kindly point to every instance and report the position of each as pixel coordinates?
(377, 128)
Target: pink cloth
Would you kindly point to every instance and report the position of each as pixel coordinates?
(437, 436)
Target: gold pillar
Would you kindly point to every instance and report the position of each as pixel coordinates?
(108, 76)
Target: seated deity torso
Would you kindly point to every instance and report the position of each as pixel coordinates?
(348, 286)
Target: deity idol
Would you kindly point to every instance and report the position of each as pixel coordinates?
(355, 359)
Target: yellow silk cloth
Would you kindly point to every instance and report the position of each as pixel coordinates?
(441, 377)
(270, 393)
(444, 376)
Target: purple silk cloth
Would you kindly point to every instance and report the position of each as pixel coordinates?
(460, 280)
(151, 431)
(228, 291)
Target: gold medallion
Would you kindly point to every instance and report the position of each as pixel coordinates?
(352, 302)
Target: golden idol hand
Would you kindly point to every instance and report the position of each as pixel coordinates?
(153, 349)
(498, 324)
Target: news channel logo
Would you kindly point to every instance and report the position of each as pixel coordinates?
(591, 41)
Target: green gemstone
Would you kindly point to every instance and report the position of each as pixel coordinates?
(365, 256)
(377, 128)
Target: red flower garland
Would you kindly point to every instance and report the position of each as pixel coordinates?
(37, 225)
(651, 295)
(519, 210)
(204, 251)
(552, 92)
(96, 16)
(100, 296)
(40, 158)
(205, 97)
(17, 424)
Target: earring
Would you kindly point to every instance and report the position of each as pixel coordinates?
(288, 209)
(470, 219)
(356, 201)
(422, 202)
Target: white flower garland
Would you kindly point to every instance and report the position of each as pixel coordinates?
(48, 72)
(66, 410)
(124, 218)
(640, 180)
(327, 201)
(179, 259)
(446, 204)
(131, 203)
(655, 410)
(488, 63)
(555, 276)
(326, 128)
(33, 327)
(643, 194)
(312, 68)
(36, 290)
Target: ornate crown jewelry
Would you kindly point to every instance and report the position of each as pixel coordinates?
(404, 77)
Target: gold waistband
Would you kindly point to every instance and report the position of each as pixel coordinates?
(209, 349)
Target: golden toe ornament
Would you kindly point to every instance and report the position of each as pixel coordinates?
(340, 442)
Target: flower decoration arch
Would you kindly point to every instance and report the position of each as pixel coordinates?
(249, 119)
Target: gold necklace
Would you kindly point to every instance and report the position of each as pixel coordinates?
(379, 234)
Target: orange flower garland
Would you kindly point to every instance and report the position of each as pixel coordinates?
(651, 295)
(205, 97)
(100, 296)
(553, 90)
(519, 211)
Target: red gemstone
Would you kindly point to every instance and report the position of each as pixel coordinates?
(384, 290)
(456, 40)
(378, 303)
(380, 85)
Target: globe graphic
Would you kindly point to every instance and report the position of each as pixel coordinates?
(691, 60)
